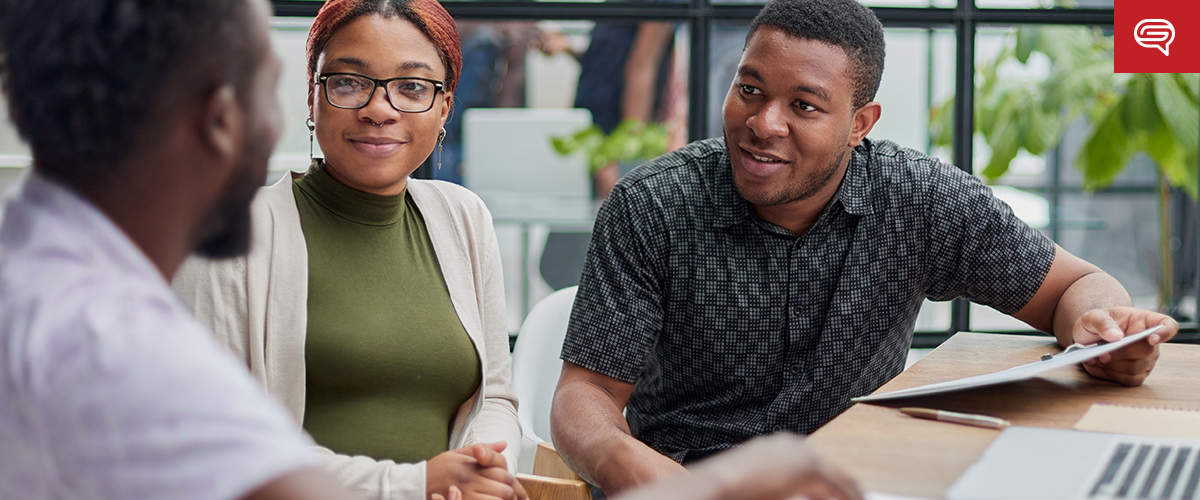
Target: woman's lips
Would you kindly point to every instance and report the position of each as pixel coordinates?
(760, 164)
(376, 147)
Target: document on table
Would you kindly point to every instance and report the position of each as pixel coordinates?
(876, 495)
(1161, 421)
(1072, 355)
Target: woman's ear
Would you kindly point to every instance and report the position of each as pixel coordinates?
(448, 107)
(312, 98)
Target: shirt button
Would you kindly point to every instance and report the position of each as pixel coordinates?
(795, 369)
(778, 428)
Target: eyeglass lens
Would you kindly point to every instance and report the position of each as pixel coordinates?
(406, 94)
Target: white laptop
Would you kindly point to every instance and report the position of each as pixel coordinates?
(1027, 463)
(507, 150)
(509, 161)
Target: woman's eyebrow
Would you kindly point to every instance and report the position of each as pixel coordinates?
(414, 65)
(352, 61)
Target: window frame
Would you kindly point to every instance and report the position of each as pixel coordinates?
(700, 15)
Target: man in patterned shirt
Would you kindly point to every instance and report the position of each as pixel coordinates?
(755, 284)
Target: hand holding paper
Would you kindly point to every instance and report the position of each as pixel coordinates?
(1068, 357)
(1131, 365)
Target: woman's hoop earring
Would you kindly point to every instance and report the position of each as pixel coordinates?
(311, 127)
(441, 137)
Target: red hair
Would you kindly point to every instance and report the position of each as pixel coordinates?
(427, 15)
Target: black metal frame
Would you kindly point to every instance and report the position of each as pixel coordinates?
(700, 15)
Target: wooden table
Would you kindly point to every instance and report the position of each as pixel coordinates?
(894, 453)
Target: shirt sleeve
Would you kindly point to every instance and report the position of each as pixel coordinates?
(133, 400)
(618, 312)
(978, 248)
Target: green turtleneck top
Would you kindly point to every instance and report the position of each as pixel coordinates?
(388, 362)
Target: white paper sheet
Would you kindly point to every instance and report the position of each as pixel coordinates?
(878, 495)
(1022, 372)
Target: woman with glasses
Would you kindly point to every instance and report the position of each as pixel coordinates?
(372, 304)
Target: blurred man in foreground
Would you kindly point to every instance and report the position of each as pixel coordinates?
(151, 123)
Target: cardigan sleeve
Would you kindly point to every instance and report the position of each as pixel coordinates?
(497, 419)
(372, 479)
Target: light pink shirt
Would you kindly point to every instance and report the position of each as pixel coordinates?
(108, 388)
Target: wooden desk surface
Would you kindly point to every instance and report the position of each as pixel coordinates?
(894, 453)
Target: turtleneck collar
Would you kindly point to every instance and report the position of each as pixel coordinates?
(349, 203)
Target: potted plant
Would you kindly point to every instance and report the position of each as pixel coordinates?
(1129, 114)
(612, 155)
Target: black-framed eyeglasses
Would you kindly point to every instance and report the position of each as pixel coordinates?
(408, 94)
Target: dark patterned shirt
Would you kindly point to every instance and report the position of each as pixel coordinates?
(731, 327)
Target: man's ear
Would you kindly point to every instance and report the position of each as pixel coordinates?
(863, 121)
(222, 124)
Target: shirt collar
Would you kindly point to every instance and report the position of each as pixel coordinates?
(856, 188)
(854, 194)
(730, 208)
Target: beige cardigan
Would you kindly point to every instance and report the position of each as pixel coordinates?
(256, 306)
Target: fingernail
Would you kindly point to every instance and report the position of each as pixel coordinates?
(1116, 332)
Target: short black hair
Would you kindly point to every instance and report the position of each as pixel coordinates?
(84, 78)
(843, 23)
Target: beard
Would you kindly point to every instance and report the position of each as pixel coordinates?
(234, 237)
(228, 234)
(798, 187)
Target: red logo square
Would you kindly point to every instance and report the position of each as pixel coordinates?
(1157, 36)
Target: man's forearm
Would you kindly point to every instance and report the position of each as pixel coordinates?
(1097, 290)
(593, 438)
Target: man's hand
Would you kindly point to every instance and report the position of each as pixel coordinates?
(1131, 365)
(479, 471)
(779, 467)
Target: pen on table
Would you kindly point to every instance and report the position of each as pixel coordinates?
(955, 417)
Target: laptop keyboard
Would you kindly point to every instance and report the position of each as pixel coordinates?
(1149, 471)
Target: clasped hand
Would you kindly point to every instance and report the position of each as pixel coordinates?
(1132, 364)
(472, 472)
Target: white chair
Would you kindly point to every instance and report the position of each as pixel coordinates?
(536, 366)
(535, 374)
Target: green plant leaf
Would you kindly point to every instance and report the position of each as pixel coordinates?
(1041, 129)
(941, 123)
(562, 145)
(1179, 111)
(1005, 141)
(1105, 152)
(1004, 119)
(1173, 161)
(1073, 86)
(1003, 152)
(1066, 45)
(1139, 111)
(1191, 81)
(1026, 41)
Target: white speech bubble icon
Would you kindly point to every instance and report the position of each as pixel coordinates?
(1155, 33)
